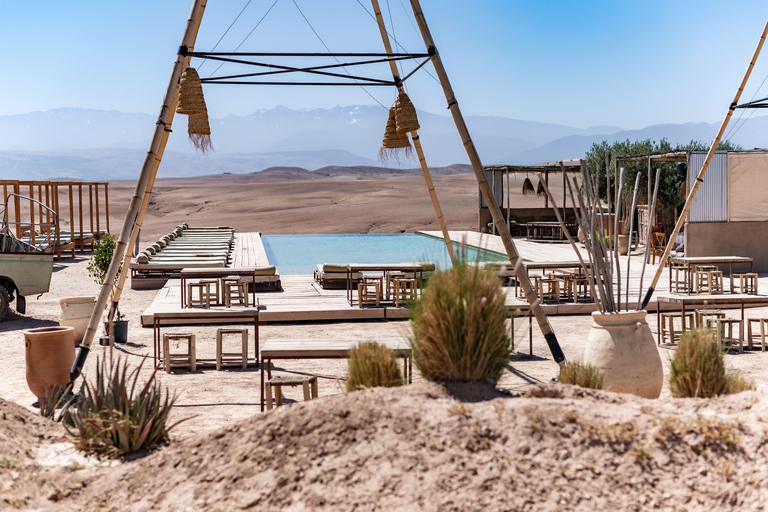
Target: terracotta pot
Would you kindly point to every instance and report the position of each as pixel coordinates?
(623, 244)
(622, 345)
(50, 352)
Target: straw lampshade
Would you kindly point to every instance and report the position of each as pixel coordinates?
(394, 142)
(192, 103)
(191, 100)
(405, 114)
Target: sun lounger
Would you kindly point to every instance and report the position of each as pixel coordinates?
(334, 275)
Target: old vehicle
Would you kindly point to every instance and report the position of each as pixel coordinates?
(26, 252)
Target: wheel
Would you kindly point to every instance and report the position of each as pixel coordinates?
(5, 302)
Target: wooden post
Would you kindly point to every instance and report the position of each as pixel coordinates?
(106, 204)
(508, 202)
(97, 234)
(546, 197)
(700, 176)
(80, 214)
(415, 135)
(32, 214)
(90, 207)
(149, 168)
(485, 190)
(17, 209)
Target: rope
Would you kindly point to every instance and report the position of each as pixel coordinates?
(246, 37)
(337, 60)
(225, 33)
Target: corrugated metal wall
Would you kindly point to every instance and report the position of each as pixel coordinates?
(711, 201)
(497, 185)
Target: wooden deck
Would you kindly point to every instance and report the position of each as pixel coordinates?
(302, 299)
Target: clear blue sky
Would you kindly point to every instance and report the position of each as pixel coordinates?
(579, 63)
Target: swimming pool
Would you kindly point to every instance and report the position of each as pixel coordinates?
(300, 254)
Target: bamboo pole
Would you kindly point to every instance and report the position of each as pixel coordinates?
(485, 190)
(156, 149)
(414, 134)
(106, 204)
(700, 176)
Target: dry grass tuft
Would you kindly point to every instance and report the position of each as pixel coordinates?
(582, 374)
(698, 370)
(459, 331)
(372, 365)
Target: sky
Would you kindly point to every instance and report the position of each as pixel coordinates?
(577, 63)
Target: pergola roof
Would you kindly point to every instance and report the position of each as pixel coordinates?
(573, 166)
(660, 156)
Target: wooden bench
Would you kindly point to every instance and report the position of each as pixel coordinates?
(323, 349)
(306, 381)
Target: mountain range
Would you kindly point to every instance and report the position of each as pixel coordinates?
(96, 144)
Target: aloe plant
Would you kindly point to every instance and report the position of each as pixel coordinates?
(115, 416)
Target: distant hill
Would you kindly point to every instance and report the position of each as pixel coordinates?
(96, 144)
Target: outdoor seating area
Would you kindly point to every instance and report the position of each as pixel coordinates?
(702, 275)
(386, 284)
(563, 281)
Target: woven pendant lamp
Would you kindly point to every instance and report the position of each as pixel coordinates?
(192, 103)
(394, 143)
(527, 187)
(405, 114)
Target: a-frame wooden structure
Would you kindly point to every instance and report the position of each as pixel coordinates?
(142, 193)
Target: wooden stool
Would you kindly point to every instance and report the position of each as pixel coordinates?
(214, 298)
(186, 359)
(389, 283)
(667, 326)
(721, 324)
(566, 284)
(279, 382)
(679, 278)
(234, 290)
(549, 288)
(747, 283)
(203, 294)
(709, 282)
(707, 317)
(763, 331)
(581, 289)
(230, 358)
(369, 291)
(404, 289)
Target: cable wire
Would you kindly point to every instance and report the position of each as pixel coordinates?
(397, 64)
(225, 32)
(246, 37)
(337, 60)
(734, 129)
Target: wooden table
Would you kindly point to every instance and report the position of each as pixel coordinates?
(552, 265)
(325, 349)
(684, 301)
(237, 316)
(691, 262)
(546, 231)
(215, 273)
(380, 267)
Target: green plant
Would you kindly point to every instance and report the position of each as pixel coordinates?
(459, 331)
(53, 398)
(581, 374)
(98, 266)
(372, 365)
(115, 416)
(698, 368)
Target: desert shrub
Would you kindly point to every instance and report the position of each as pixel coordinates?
(115, 415)
(698, 368)
(459, 331)
(582, 374)
(372, 365)
(55, 397)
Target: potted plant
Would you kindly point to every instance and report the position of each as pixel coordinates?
(101, 257)
(620, 342)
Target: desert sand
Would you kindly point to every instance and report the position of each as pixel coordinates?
(316, 455)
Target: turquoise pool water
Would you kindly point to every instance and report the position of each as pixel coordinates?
(300, 254)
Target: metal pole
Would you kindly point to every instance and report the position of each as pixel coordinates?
(414, 135)
(156, 148)
(700, 176)
(485, 190)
